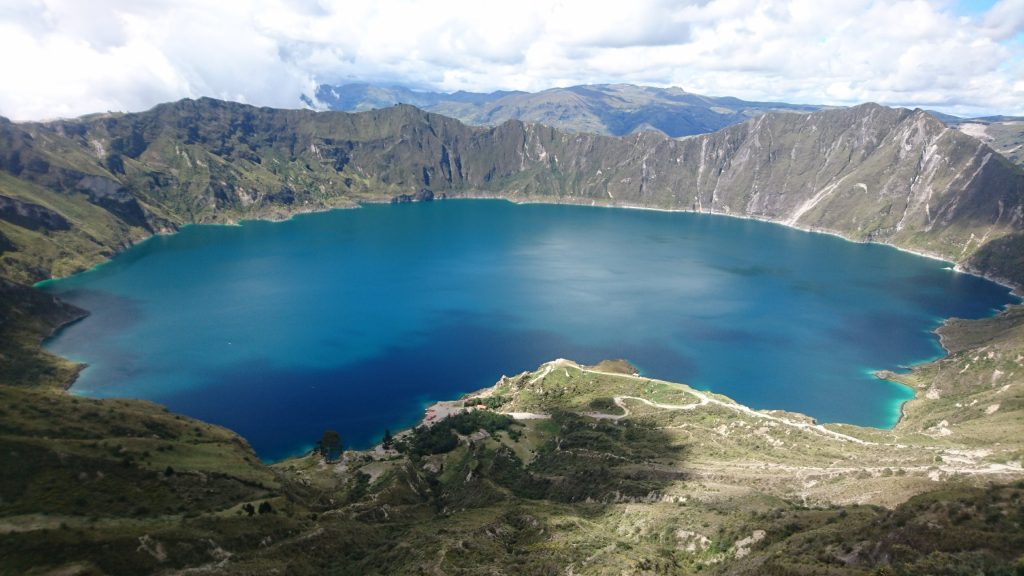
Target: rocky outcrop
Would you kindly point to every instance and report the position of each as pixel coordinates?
(284, 196)
(31, 216)
(6, 245)
(1001, 259)
(424, 195)
(115, 198)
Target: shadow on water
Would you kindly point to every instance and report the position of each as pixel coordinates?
(119, 312)
(753, 271)
(90, 336)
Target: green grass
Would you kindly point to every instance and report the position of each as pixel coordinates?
(28, 316)
(603, 496)
(83, 480)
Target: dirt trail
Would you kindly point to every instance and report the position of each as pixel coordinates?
(953, 461)
(620, 401)
(527, 415)
(703, 399)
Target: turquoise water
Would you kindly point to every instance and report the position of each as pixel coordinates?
(354, 319)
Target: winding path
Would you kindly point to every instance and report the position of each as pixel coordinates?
(702, 400)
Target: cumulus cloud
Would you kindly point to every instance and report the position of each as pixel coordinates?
(67, 57)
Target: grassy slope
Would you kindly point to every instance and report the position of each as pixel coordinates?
(87, 482)
(662, 489)
(26, 317)
(668, 490)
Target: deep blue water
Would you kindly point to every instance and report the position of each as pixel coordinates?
(354, 319)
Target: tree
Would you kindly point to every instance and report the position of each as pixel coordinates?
(388, 439)
(331, 446)
(265, 508)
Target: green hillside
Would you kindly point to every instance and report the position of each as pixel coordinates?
(74, 192)
(592, 468)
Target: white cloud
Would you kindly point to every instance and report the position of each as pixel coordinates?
(1005, 20)
(67, 57)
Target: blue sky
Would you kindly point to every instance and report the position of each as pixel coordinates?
(959, 56)
(973, 7)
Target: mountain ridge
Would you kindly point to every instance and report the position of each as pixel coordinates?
(620, 109)
(868, 173)
(609, 109)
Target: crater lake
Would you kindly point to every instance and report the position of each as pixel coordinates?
(355, 320)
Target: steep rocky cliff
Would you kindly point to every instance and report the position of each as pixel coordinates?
(869, 173)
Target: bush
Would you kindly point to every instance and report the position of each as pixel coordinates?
(440, 438)
(436, 439)
(330, 446)
(491, 402)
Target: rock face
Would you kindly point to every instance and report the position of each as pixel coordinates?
(115, 198)
(31, 216)
(868, 172)
(423, 195)
(6, 244)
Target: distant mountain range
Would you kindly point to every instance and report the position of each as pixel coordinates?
(610, 109)
(620, 109)
(1005, 134)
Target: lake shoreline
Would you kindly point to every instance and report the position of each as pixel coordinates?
(1016, 290)
(295, 214)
